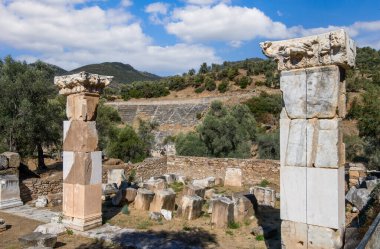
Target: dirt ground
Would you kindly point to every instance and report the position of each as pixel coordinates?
(18, 226)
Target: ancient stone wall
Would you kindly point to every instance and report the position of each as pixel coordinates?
(253, 170)
(32, 188)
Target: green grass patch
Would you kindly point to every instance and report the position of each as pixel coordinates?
(144, 224)
(264, 183)
(229, 232)
(177, 186)
(260, 237)
(233, 225)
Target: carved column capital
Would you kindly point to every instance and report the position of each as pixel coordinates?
(82, 82)
(332, 48)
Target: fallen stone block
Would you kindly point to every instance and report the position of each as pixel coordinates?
(234, 177)
(9, 191)
(143, 199)
(170, 178)
(182, 179)
(243, 208)
(163, 199)
(130, 195)
(14, 159)
(350, 194)
(205, 183)
(3, 226)
(109, 188)
(371, 184)
(191, 189)
(191, 207)
(51, 228)
(38, 239)
(264, 196)
(115, 176)
(155, 184)
(41, 202)
(222, 212)
(167, 214)
(360, 198)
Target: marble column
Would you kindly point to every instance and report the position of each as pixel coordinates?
(82, 162)
(312, 151)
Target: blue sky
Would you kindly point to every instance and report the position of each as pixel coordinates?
(169, 37)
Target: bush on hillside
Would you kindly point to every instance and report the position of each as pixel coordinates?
(210, 84)
(223, 86)
(269, 145)
(264, 105)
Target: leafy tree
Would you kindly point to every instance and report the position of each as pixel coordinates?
(244, 81)
(145, 133)
(125, 144)
(191, 72)
(107, 118)
(198, 80)
(232, 72)
(264, 106)
(176, 83)
(203, 68)
(190, 144)
(30, 115)
(269, 145)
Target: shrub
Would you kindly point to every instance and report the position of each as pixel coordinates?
(198, 80)
(265, 104)
(269, 145)
(264, 183)
(190, 144)
(233, 225)
(223, 86)
(107, 118)
(199, 89)
(232, 72)
(260, 237)
(244, 81)
(176, 83)
(210, 84)
(354, 148)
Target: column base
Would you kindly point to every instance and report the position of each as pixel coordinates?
(10, 203)
(82, 224)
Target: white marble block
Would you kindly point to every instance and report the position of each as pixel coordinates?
(82, 167)
(293, 193)
(9, 192)
(325, 197)
(234, 177)
(115, 176)
(293, 87)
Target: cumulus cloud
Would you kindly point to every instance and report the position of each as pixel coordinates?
(234, 25)
(222, 22)
(156, 11)
(70, 36)
(126, 3)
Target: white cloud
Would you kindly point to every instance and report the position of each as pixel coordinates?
(235, 24)
(70, 36)
(223, 23)
(156, 11)
(126, 3)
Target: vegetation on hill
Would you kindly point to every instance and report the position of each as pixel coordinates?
(123, 73)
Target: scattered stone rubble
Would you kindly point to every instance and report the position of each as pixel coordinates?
(38, 240)
(359, 195)
(3, 226)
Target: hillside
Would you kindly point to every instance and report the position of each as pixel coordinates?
(123, 73)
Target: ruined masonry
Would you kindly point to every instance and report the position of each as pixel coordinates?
(82, 163)
(312, 152)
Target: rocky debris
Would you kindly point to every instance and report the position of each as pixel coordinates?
(191, 189)
(155, 184)
(222, 212)
(182, 179)
(170, 178)
(357, 172)
(51, 228)
(3, 226)
(3, 162)
(143, 199)
(243, 207)
(257, 231)
(360, 198)
(41, 202)
(264, 196)
(38, 239)
(168, 214)
(209, 193)
(350, 193)
(191, 207)
(234, 177)
(39, 247)
(205, 182)
(155, 216)
(130, 195)
(13, 158)
(211, 201)
(163, 199)
(109, 188)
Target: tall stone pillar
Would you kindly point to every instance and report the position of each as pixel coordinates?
(82, 162)
(312, 151)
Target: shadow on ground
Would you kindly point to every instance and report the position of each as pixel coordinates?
(195, 238)
(269, 219)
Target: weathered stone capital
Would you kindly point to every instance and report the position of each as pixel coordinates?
(333, 48)
(82, 82)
